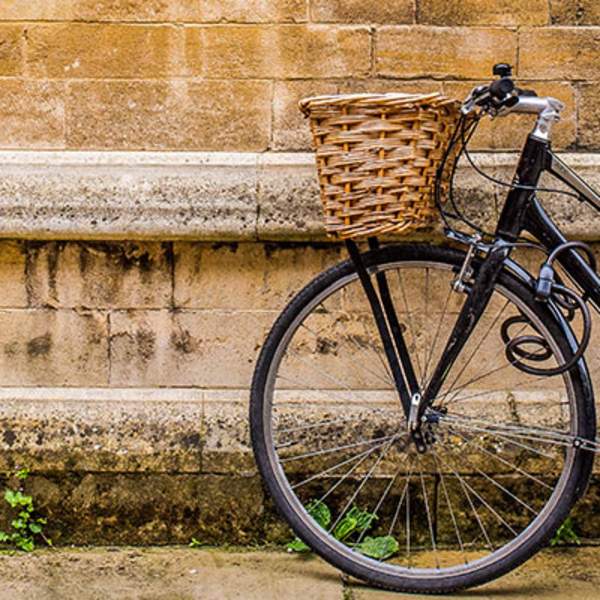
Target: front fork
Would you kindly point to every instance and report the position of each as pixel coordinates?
(413, 398)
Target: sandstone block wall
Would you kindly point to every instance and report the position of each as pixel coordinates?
(137, 288)
(226, 75)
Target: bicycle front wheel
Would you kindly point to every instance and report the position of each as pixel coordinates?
(499, 475)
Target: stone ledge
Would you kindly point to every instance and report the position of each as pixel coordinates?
(147, 465)
(211, 196)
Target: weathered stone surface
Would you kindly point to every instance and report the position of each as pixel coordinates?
(574, 52)
(82, 50)
(422, 86)
(181, 573)
(273, 574)
(101, 430)
(483, 12)
(242, 276)
(226, 447)
(53, 347)
(148, 508)
(146, 115)
(99, 275)
(589, 115)
(356, 11)
(239, 11)
(278, 52)
(12, 275)
(11, 50)
(575, 12)
(206, 196)
(290, 127)
(167, 196)
(424, 52)
(203, 196)
(289, 201)
(182, 348)
(32, 114)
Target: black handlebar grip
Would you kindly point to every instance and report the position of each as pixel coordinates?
(500, 88)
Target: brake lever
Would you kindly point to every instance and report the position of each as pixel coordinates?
(475, 99)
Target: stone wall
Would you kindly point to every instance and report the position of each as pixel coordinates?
(225, 75)
(158, 208)
(125, 371)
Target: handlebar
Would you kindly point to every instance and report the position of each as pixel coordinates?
(502, 97)
(501, 87)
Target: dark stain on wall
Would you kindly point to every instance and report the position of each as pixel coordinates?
(39, 346)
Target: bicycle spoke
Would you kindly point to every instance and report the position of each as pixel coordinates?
(504, 438)
(404, 491)
(363, 442)
(383, 360)
(361, 485)
(365, 453)
(410, 326)
(529, 434)
(449, 505)
(498, 485)
(345, 476)
(436, 336)
(488, 506)
(502, 460)
(429, 522)
(361, 366)
(478, 346)
(481, 377)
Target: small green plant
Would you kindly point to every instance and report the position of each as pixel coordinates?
(26, 526)
(350, 530)
(565, 534)
(195, 543)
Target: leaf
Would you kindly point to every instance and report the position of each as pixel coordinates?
(565, 534)
(22, 474)
(26, 544)
(4, 537)
(364, 520)
(16, 498)
(18, 524)
(297, 545)
(320, 512)
(35, 528)
(378, 547)
(345, 527)
(355, 521)
(11, 497)
(193, 544)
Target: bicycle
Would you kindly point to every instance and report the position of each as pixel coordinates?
(423, 416)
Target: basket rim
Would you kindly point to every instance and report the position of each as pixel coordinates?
(367, 99)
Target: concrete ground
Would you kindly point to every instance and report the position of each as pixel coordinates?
(217, 574)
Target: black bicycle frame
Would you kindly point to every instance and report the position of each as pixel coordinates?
(521, 212)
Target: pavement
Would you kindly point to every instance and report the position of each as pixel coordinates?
(178, 573)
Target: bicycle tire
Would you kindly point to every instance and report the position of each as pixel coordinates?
(370, 571)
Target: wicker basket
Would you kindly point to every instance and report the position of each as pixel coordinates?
(377, 157)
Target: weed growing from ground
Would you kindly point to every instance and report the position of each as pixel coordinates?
(26, 526)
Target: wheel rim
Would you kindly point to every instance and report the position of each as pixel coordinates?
(424, 487)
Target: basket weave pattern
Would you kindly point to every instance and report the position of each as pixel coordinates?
(377, 157)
